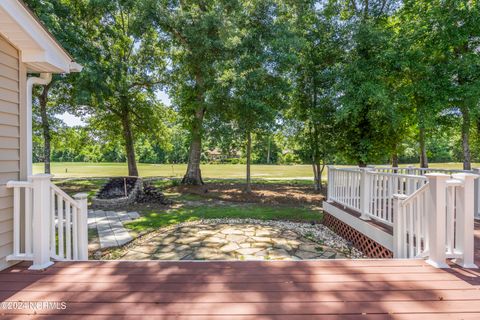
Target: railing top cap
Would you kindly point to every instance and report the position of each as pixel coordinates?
(40, 176)
(80, 196)
(465, 175)
(439, 175)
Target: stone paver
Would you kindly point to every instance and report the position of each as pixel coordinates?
(111, 231)
(227, 242)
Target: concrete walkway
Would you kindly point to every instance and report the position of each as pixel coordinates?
(109, 224)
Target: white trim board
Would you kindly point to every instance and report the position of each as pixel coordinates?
(40, 51)
(381, 237)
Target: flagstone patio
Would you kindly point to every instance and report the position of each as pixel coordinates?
(225, 241)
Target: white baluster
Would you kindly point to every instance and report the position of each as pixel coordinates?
(60, 226)
(28, 221)
(53, 232)
(75, 232)
(68, 234)
(16, 221)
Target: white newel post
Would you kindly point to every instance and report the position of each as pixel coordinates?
(364, 193)
(477, 194)
(464, 237)
(82, 226)
(41, 221)
(330, 182)
(398, 227)
(410, 170)
(436, 216)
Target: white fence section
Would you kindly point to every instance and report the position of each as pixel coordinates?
(346, 187)
(437, 221)
(47, 223)
(410, 170)
(370, 192)
(432, 215)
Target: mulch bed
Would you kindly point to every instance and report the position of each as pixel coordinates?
(261, 193)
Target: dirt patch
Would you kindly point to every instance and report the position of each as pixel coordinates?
(261, 193)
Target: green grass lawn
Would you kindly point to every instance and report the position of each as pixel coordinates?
(231, 171)
(212, 171)
(155, 219)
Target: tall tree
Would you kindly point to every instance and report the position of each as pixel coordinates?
(457, 42)
(119, 82)
(365, 114)
(440, 43)
(253, 76)
(194, 32)
(314, 97)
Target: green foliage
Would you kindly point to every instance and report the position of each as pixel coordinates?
(315, 82)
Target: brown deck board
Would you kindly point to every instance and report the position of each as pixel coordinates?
(327, 289)
(336, 289)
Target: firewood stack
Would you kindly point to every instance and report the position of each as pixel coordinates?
(152, 194)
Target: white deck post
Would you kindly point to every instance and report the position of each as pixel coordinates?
(41, 221)
(82, 225)
(477, 194)
(464, 237)
(330, 182)
(398, 227)
(436, 216)
(410, 170)
(365, 193)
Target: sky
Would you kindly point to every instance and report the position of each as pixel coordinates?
(72, 121)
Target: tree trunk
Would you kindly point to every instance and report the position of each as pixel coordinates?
(268, 151)
(43, 100)
(317, 179)
(193, 176)
(129, 145)
(248, 187)
(395, 157)
(467, 157)
(317, 176)
(423, 148)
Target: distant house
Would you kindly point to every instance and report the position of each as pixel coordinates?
(216, 154)
(26, 47)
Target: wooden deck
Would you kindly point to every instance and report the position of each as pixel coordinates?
(331, 289)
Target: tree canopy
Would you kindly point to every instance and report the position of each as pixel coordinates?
(274, 81)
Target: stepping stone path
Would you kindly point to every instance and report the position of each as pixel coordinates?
(109, 224)
(227, 242)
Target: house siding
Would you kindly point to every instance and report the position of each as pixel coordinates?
(10, 99)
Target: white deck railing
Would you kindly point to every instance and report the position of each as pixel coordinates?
(432, 214)
(410, 170)
(47, 223)
(437, 221)
(370, 192)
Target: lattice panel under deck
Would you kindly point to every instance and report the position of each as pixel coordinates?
(363, 243)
